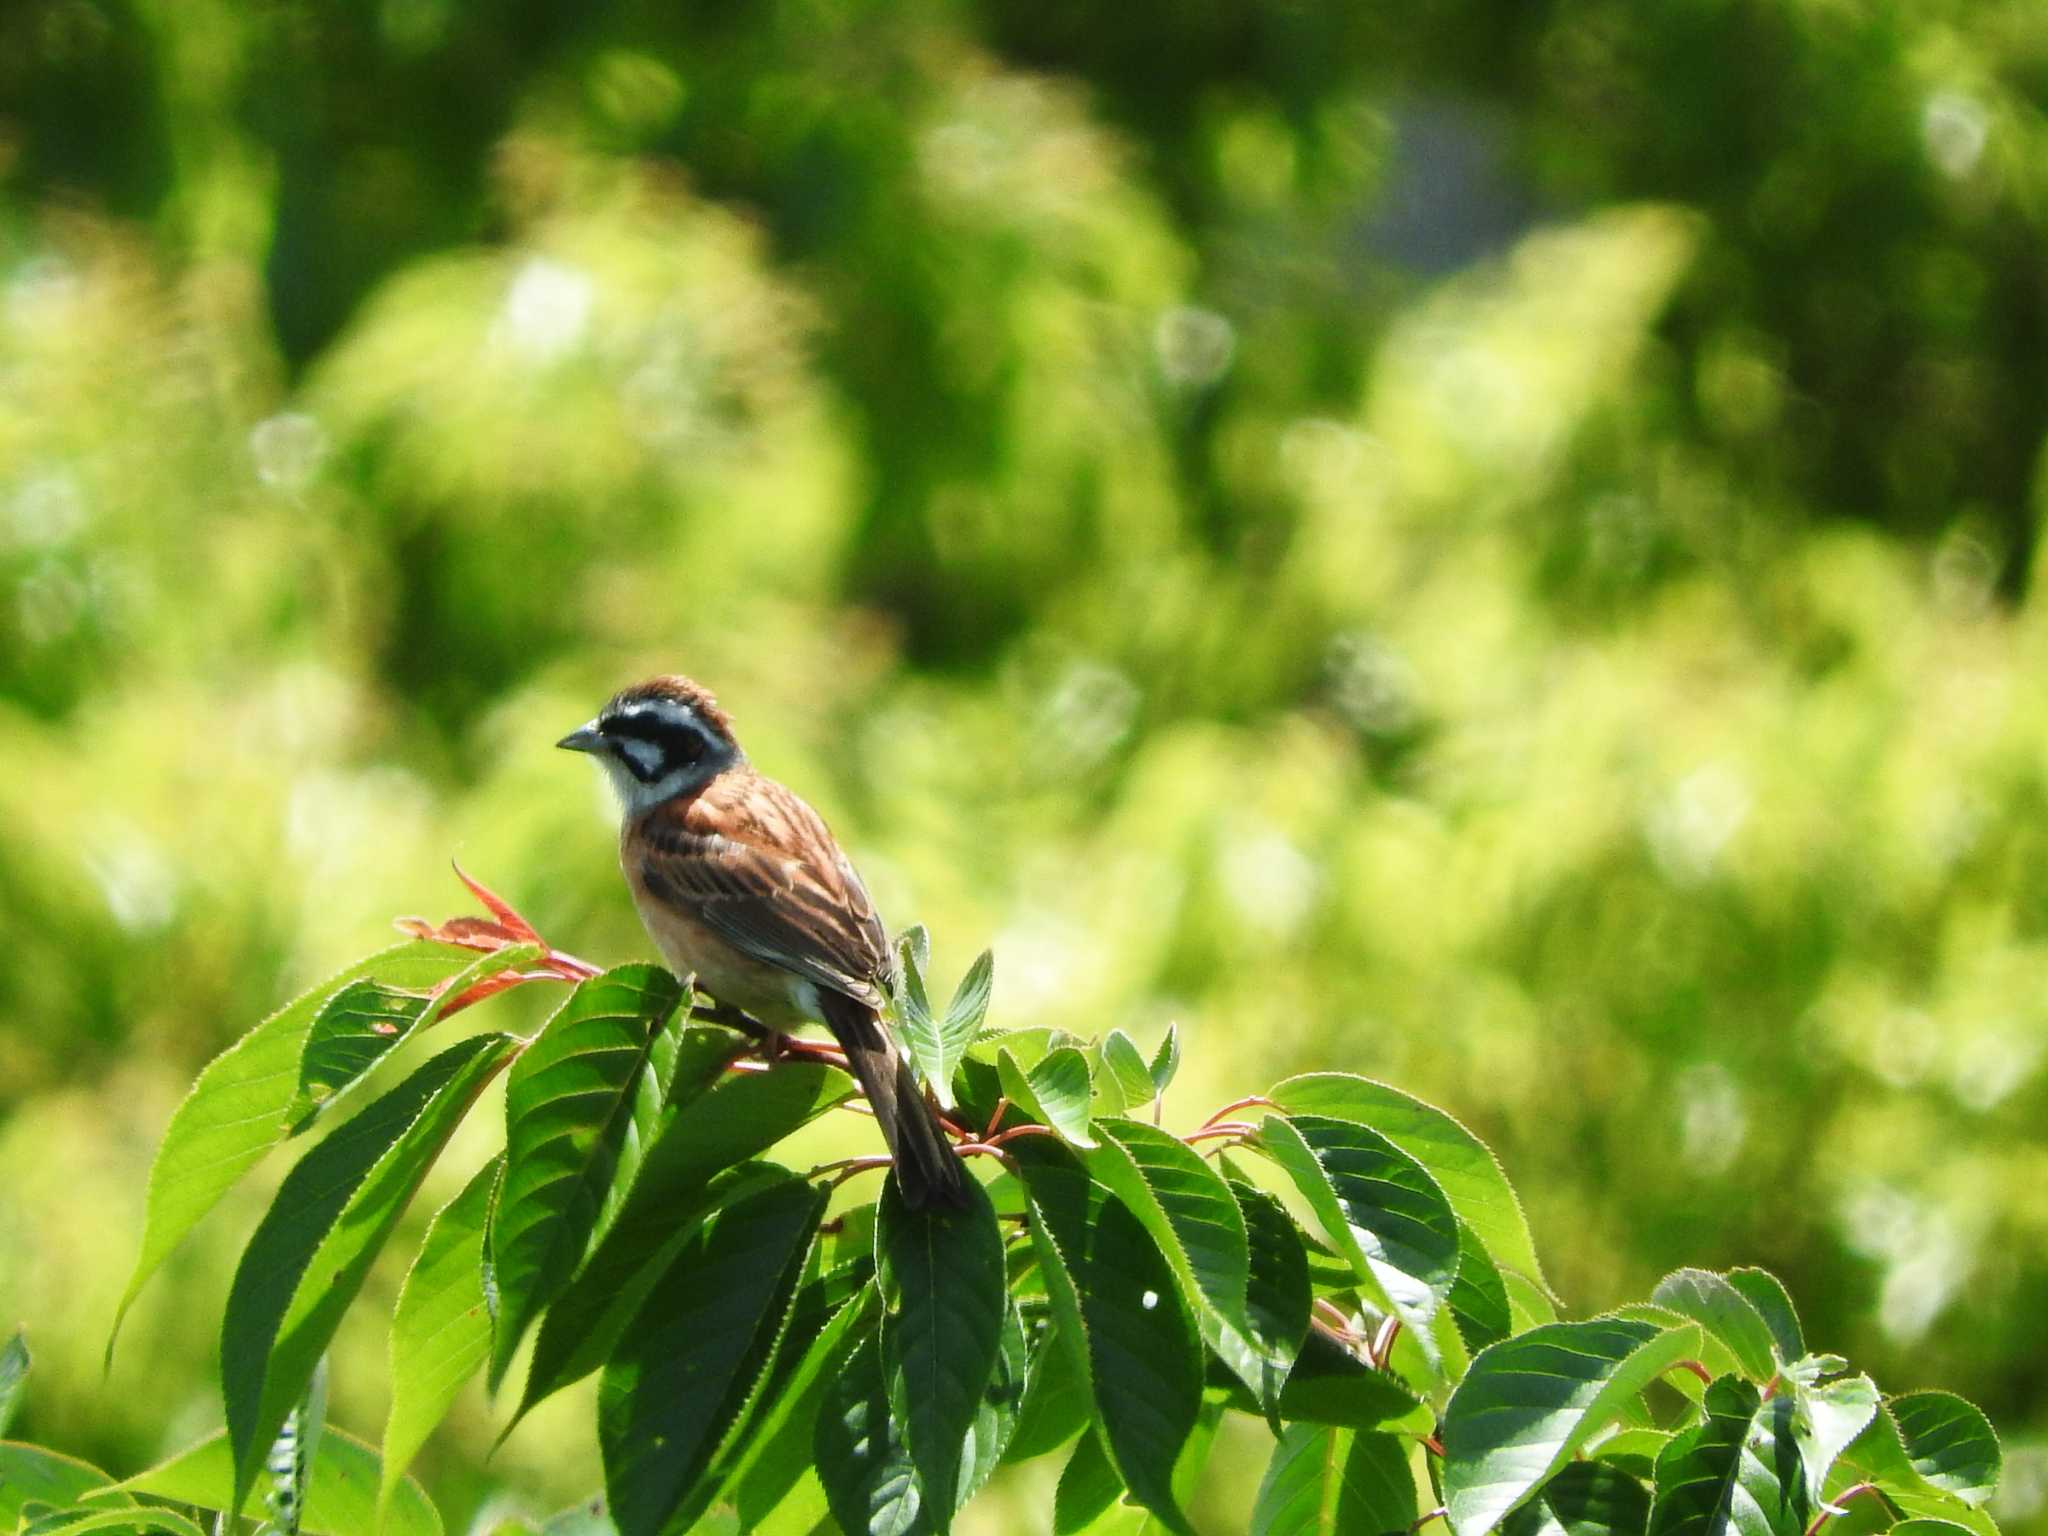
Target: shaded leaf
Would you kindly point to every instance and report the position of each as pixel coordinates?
(1737, 1472)
(742, 1116)
(1479, 1296)
(441, 1327)
(341, 1493)
(1725, 1313)
(1378, 1205)
(1335, 1482)
(946, 1298)
(1586, 1498)
(14, 1364)
(1530, 1402)
(1114, 1298)
(333, 1212)
(1460, 1163)
(1057, 1404)
(1001, 1408)
(1277, 1291)
(861, 1459)
(568, 1109)
(684, 1372)
(1330, 1385)
(1088, 1485)
(237, 1108)
(1950, 1443)
(1878, 1456)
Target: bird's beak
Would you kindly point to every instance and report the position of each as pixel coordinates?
(585, 738)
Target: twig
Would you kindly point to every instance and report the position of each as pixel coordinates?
(1439, 1513)
(846, 1167)
(1244, 1103)
(1237, 1128)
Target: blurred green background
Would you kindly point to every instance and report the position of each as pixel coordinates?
(1491, 545)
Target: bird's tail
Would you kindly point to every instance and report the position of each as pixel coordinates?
(928, 1171)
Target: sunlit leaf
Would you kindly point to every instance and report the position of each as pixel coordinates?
(683, 1375)
(568, 1109)
(1735, 1474)
(1114, 1297)
(441, 1327)
(966, 1013)
(943, 1287)
(1055, 1090)
(1879, 1456)
(1335, 1482)
(1124, 1065)
(1165, 1060)
(1461, 1164)
(1827, 1417)
(129, 1522)
(1479, 1296)
(237, 1110)
(1950, 1443)
(30, 1474)
(14, 1364)
(314, 1246)
(1761, 1289)
(341, 1492)
(1530, 1402)
(1725, 1313)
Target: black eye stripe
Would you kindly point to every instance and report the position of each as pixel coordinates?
(676, 743)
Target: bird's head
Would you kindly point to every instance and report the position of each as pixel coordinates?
(658, 739)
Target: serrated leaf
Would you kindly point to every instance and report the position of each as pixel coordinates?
(1335, 1482)
(1527, 1405)
(918, 1026)
(29, 1474)
(1586, 1498)
(311, 1251)
(1165, 1060)
(1278, 1296)
(1378, 1205)
(776, 1452)
(237, 1108)
(441, 1327)
(1330, 1385)
(1950, 1443)
(1125, 1066)
(1191, 1215)
(1000, 1410)
(860, 1455)
(945, 1294)
(684, 1371)
(1088, 1485)
(341, 1493)
(1460, 1163)
(1878, 1457)
(14, 1365)
(1760, 1288)
(369, 1017)
(1057, 1405)
(568, 1109)
(968, 1010)
(1479, 1296)
(1055, 1091)
(1826, 1418)
(1634, 1450)
(685, 1062)
(743, 1116)
(1725, 1313)
(1735, 1474)
(129, 1522)
(1114, 1298)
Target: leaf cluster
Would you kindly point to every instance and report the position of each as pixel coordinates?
(1334, 1257)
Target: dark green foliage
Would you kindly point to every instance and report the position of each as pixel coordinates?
(1113, 1286)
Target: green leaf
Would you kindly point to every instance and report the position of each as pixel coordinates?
(1379, 1206)
(967, 1012)
(742, 1116)
(1586, 1498)
(1530, 1402)
(1335, 1482)
(1879, 1456)
(1191, 1215)
(685, 1062)
(946, 1299)
(441, 1328)
(1055, 1092)
(1926, 1525)
(1725, 1313)
(1330, 1385)
(333, 1212)
(1165, 1060)
(860, 1455)
(1736, 1473)
(237, 1109)
(1088, 1485)
(1827, 1417)
(367, 1019)
(770, 1460)
(290, 1458)
(1463, 1167)
(919, 1027)
(1001, 1407)
(1278, 1296)
(1125, 1066)
(1114, 1298)
(131, 1522)
(683, 1375)
(31, 1475)
(14, 1364)
(1760, 1288)
(1056, 1405)
(1479, 1296)
(341, 1495)
(1633, 1450)
(568, 1109)
(1950, 1444)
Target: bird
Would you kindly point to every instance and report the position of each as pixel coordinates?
(740, 883)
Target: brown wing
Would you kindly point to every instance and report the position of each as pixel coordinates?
(756, 865)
